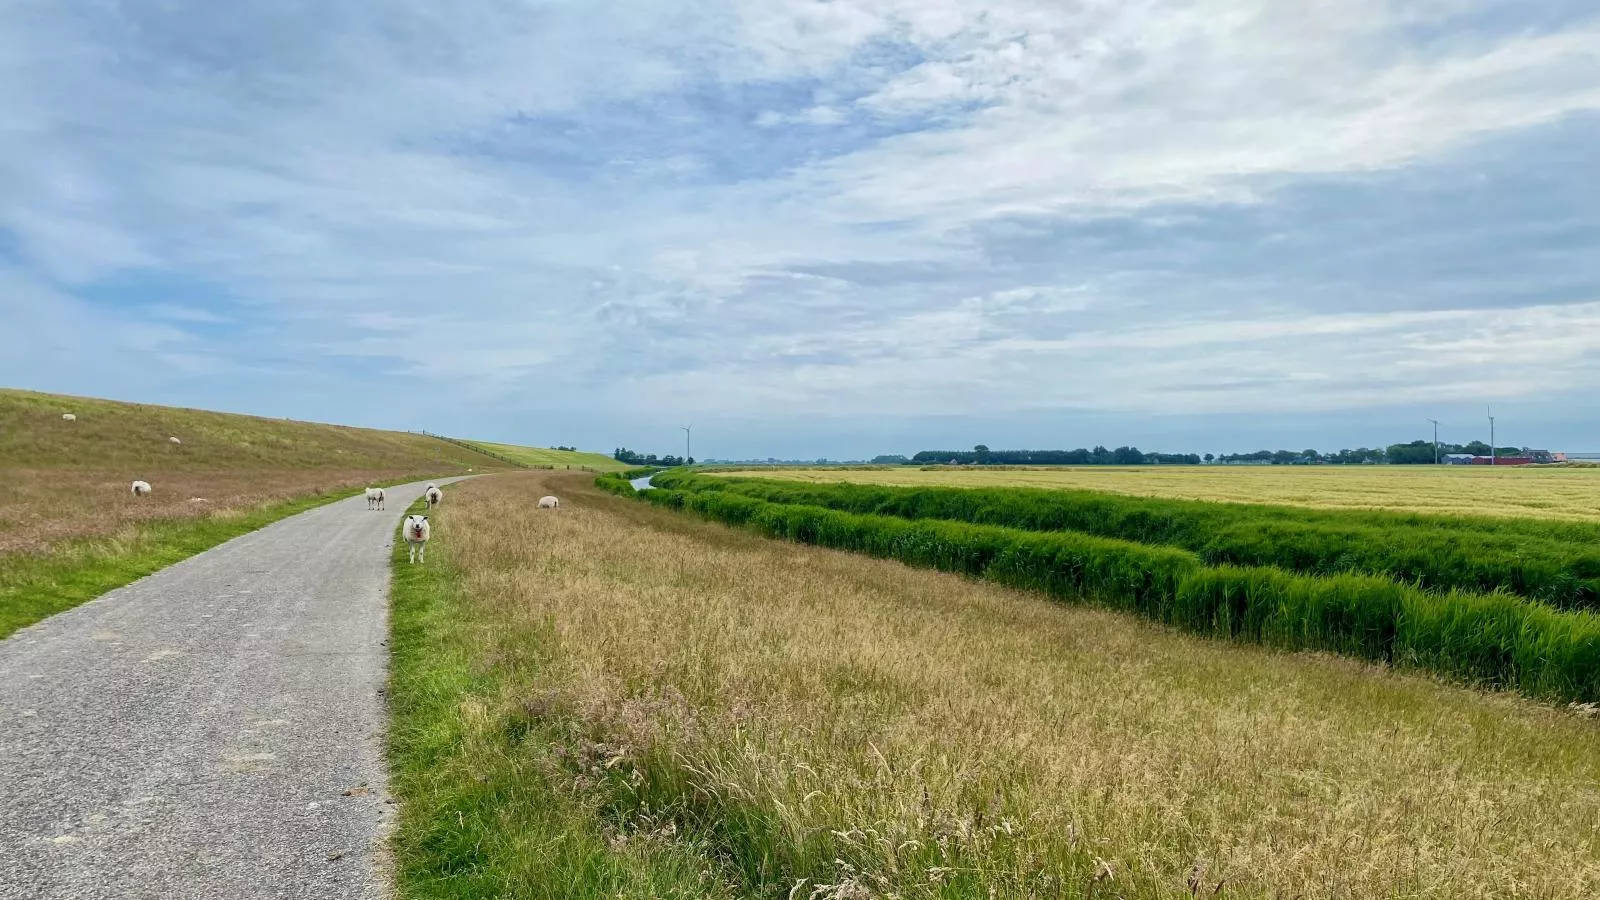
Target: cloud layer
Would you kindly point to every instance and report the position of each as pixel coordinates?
(582, 222)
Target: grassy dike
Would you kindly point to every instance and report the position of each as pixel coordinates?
(33, 588)
(488, 808)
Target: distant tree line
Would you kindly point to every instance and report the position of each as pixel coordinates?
(1411, 454)
(624, 455)
(1099, 456)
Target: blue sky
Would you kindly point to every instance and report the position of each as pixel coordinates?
(814, 228)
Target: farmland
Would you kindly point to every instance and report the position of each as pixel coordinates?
(1546, 493)
(661, 706)
(1490, 600)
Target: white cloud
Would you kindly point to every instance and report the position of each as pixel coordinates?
(1149, 106)
(646, 201)
(933, 362)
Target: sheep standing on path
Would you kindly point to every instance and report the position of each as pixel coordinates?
(374, 498)
(549, 503)
(141, 488)
(432, 496)
(417, 532)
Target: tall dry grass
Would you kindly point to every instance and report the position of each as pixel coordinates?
(835, 726)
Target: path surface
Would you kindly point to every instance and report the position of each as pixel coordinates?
(214, 730)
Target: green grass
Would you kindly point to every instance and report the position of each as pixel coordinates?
(1553, 562)
(1494, 639)
(35, 587)
(541, 456)
(488, 807)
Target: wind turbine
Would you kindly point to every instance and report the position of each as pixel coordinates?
(688, 431)
(1435, 440)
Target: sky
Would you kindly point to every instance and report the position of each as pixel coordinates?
(814, 227)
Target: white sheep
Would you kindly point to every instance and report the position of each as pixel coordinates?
(374, 498)
(174, 440)
(68, 417)
(417, 532)
(141, 488)
(432, 496)
(549, 503)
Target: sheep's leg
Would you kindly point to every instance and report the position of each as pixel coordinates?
(422, 553)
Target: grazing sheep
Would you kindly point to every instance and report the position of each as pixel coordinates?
(417, 532)
(549, 503)
(68, 417)
(174, 440)
(141, 488)
(432, 496)
(374, 498)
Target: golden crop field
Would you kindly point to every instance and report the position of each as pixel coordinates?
(1549, 493)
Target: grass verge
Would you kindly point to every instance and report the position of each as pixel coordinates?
(34, 587)
(489, 808)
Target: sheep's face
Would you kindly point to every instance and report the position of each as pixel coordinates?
(417, 528)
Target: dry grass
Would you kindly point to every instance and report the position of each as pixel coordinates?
(41, 508)
(896, 732)
(544, 456)
(69, 480)
(1547, 493)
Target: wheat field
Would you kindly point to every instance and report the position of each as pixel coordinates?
(820, 724)
(1548, 493)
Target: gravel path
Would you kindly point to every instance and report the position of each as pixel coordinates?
(214, 730)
